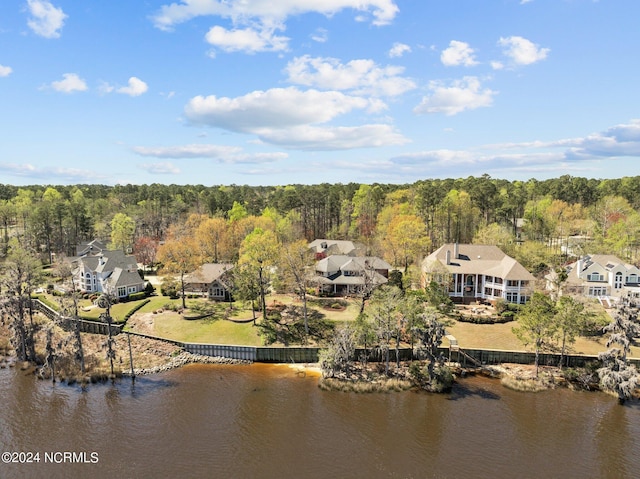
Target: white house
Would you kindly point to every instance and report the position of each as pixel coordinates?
(473, 272)
(601, 276)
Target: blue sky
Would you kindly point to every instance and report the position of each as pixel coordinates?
(265, 92)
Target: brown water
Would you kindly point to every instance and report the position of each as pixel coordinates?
(264, 421)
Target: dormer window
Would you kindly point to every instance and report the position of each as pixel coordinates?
(595, 277)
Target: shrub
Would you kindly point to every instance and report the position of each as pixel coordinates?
(137, 296)
(136, 308)
(169, 287)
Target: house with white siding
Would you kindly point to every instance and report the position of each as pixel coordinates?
(600, 276)
(477, 273)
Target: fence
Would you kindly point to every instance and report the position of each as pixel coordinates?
(466, 357)
(69, 324)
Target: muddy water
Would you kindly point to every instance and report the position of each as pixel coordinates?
(265, 421)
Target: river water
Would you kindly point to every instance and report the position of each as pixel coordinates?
(265, 421)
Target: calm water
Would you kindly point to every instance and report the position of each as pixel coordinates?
(264, 421)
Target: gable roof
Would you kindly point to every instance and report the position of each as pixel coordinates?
(123, 277)
(208, 273)
(91, 247)
(338, 262)
(478, 259)
(107, 261)
(335, 247)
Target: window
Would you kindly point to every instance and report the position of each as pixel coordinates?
(488, 291)
(512, 297)
(122, 291)
(498, 280)
(632, 278)
(617, 283)
(217, 292)
(132, 289)
(513, 282)
(489, 279)
(597, 291)
(595, 277)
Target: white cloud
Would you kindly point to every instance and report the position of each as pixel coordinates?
(496, 65)
(46, 20)
(221, 153)
(461, 95)
(306, 137)
(274, 108)
(288, 117)
(5, 71)
(399, 49)
(163, 168)
(52, 174)
(268, 11)
(619, 140)
(359, 76)
(70, 82)
(248, 40)
(321, 35)
(188, 151)
(136, 87)
(458, 53)
(522, 51)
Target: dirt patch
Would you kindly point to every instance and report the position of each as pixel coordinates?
(142, 323)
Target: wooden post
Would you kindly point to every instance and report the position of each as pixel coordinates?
(133, 376)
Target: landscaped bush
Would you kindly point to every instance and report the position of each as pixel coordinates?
(169, 287)
(479, 319)
(136, 308)
(137, 296)
(52, 304)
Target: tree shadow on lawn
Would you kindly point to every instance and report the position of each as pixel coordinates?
(287, 327)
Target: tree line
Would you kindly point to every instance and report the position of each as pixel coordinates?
(531, 220)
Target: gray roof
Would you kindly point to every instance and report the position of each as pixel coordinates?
(208, 273)
(335, 247)
(123, 277)
(335, 263)
(107, 261)
(478, 259)
(90, 247)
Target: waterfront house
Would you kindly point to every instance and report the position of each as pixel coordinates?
(342, 275)
(99, 270)
(327, 247)
(211, 280)
(477, 273)
(600, 276)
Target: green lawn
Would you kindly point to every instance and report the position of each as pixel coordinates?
(172, 325)
(500, 336)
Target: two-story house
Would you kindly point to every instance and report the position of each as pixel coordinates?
(471, 272)
(107, 270)
(341, 275)
(601, 276)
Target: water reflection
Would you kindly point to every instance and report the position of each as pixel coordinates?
(265, 421)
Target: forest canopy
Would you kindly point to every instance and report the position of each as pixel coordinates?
(401, 222)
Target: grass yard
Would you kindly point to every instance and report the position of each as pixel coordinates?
(172, 325)
(500, 336)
